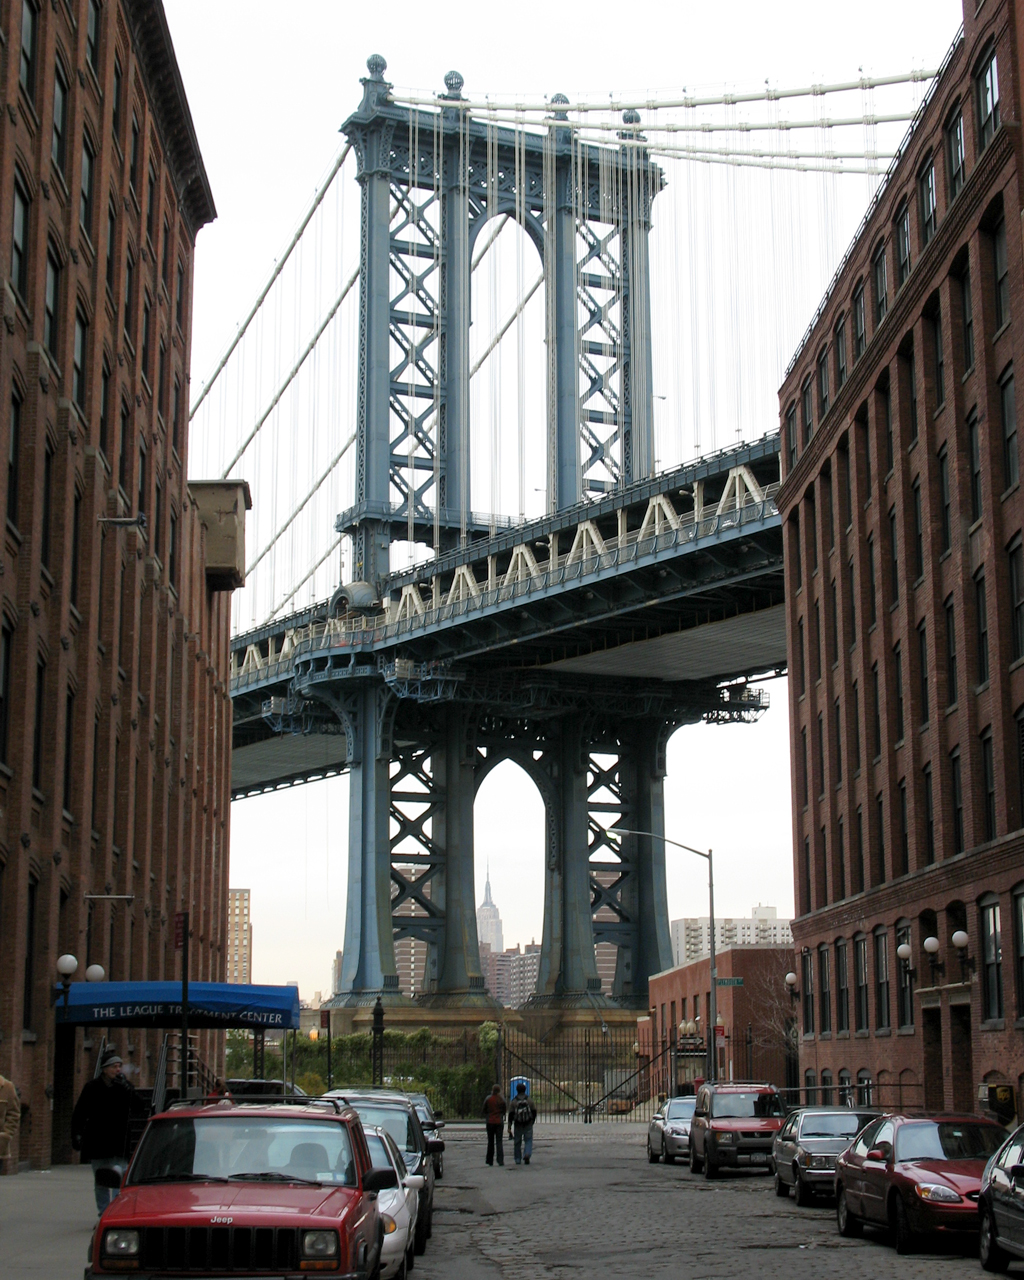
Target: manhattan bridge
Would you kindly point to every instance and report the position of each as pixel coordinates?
(570, 633)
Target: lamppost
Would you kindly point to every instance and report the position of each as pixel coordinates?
(712, 1048)
(66, 966)
(931, 950)
(961, 941)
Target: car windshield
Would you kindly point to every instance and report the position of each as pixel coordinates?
(680, 1109)
(947, 1140)
(257, 1148)
(739, 1106)
(831, 1124)
(395, 1120)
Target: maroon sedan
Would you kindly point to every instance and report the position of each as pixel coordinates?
(914, 1174)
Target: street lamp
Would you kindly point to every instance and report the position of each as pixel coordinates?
(713, 1011)
(903, 954)
(961, 941)
(794, 995)
(95, 973)
(931, 950)
(66, 966)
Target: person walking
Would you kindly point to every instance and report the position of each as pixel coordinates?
(99, 1122)
(521, 1117)
(494, 1110)
(10, 1118)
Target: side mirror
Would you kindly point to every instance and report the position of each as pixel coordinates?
(380, 1180)
(415, 1181)
(438, 1115)
(108, 1177)
(440, 1123)
(1016, 1174)
(434, 1146)
(878, 1153)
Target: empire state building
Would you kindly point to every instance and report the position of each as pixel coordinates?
(488, 922)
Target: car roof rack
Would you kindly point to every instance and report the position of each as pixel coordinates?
(337, 1105)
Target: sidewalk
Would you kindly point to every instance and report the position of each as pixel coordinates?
(46, 1222)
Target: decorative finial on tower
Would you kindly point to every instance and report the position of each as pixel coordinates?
(560, 100)
(453, 82)
(631, 117)
(376, 66)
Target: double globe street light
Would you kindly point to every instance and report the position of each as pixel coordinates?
(67, 965)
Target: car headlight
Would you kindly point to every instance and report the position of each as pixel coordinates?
(820, 1162)
(679, 1130)
(390, 1225)
(319, 1244)
(725, 1135)
(937, 1193)
(121, 1244)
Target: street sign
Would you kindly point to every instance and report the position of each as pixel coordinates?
(729, 982)
(719, 1033)
(325, 1019)
(179, 929)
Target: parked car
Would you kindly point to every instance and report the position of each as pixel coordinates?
(242, 1189)
(733, 1126)
(395, 1113)
(432, 1122)
(398, 1206)
(668, 1134)
(1001, 1205)
(805, 1148)
(915, 1174)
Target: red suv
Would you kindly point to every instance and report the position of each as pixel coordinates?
(241, 1190)
(733, 1126)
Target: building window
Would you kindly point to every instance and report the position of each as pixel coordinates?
(823, 400)
(929, 817)
(51, 302)
(30, 938)
(860, 334)
(1018, 944)
(6, 643)
(807, 876)
(968, 319)
(37, 731)
(142, 478)
(841, 858)
(801, 657)
(105, 409)
(840, 350)
(1002, 273)
(988, 777)
(842, 987)
(158, 515)
(118, 98)
(821, 755)
(904, 829)
(881, 285)
(855, 691)
(902, 245)
(19, 237)
(955, 153)
(179, 298)
(27, 63)
(926, 196)
(92, 35)
(837, 712)
(988, 101)
(974, 457)
(918, 532)
(940, 361)
(172, 553)
(882, 1015)
(905, 982)
(958, 800)
(76, 543)
(852, 583)
(817, 640)
(886, 394)
(13, 448)
(912, 392)
(826, 1088)
(808, 411)
(894, 563)
(176, 414)
(876, 683)
(810, 1087)
(897, 664)
(981, 615)
(859, 861)
(85, 202)
(46, 510)
(872, 587)
(860, 980)
(804, 780)
(122, 456)
(111, 242)
(991, 960)
(69, 722)
(824, 991)
(947, 520)
(922, 661)
(133, 155)
(129, 294)
(165, 255)
(880, 816)
(58, 144)
(161, 381)
(1008, 411)
(144, 352)
(151, 203)
(845, 1088)
(808, 986)
(78, 366)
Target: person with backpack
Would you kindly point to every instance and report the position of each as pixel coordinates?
(494, 1110)
(521, 1117)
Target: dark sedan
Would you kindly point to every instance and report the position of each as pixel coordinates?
(1001, 1205)
(432, 1123)
(805, 1148)
(915, 1175)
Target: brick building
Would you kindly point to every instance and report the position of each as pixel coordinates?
(755, 1008)
(115, 720)
(903, 517)
(238, 965)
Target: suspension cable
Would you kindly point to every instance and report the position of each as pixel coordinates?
(299, 585)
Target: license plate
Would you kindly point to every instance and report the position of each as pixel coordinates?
(758, 1157)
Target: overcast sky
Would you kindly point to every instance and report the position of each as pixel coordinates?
(268, 88)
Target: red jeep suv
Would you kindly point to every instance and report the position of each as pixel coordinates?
(244, 1190)
(733, 1125)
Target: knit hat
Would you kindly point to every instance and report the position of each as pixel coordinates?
(110, 1058)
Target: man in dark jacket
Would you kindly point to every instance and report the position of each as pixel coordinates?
(521, 1116)
(494, 1113)
(99, 1123)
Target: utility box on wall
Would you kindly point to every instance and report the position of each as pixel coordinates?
(222, 505)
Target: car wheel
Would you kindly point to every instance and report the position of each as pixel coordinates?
(781, 1190)
(992, 1257)
(430, 1221)
(710, 1168)
(420, 1241)
(410, 1257)
(848, 1225)
(694, 1162)
(906, 1237)
(651, 1157)
(802, 1193)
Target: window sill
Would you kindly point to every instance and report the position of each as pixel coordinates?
(918, 581)
(938, 411)
(825, 1035)
(883, 1031)
(979, 689)
(906, 1031)
(6, 771)
(975, 526)
(994, 1024)
(38, 796)
(28, 1037)
(861, 1035)
(1016, 664)
(1002, 329)
(842, 1035)
(953, 707)
(913, 444)
(12, 529)
(1009, 492)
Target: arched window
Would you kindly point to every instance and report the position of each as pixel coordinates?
(991, 958)
(845, 1087)
(810, 1088)
(865, 1089)
(902, 244)
(826, 1088)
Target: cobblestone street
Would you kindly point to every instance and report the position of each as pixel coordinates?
(590, 1204)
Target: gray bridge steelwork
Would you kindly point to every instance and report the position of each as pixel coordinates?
(573, 644)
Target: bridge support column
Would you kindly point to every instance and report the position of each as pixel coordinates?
(455, 296)
(638, 458)
(564, 449)
(653, 936)
(368, 962)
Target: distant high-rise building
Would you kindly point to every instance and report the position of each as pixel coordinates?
(488, 921)
(239, 962)
(411, 963)
(511, 975)
(336, 973)
(691, 937)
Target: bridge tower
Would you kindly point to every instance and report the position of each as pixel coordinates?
(430, 181)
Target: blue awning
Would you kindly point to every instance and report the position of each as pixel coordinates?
(158, 1004)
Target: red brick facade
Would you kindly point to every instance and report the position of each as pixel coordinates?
(115, 723)
(903, 515)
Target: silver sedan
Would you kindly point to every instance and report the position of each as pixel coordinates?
(668, 1134)
(398, 1206)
